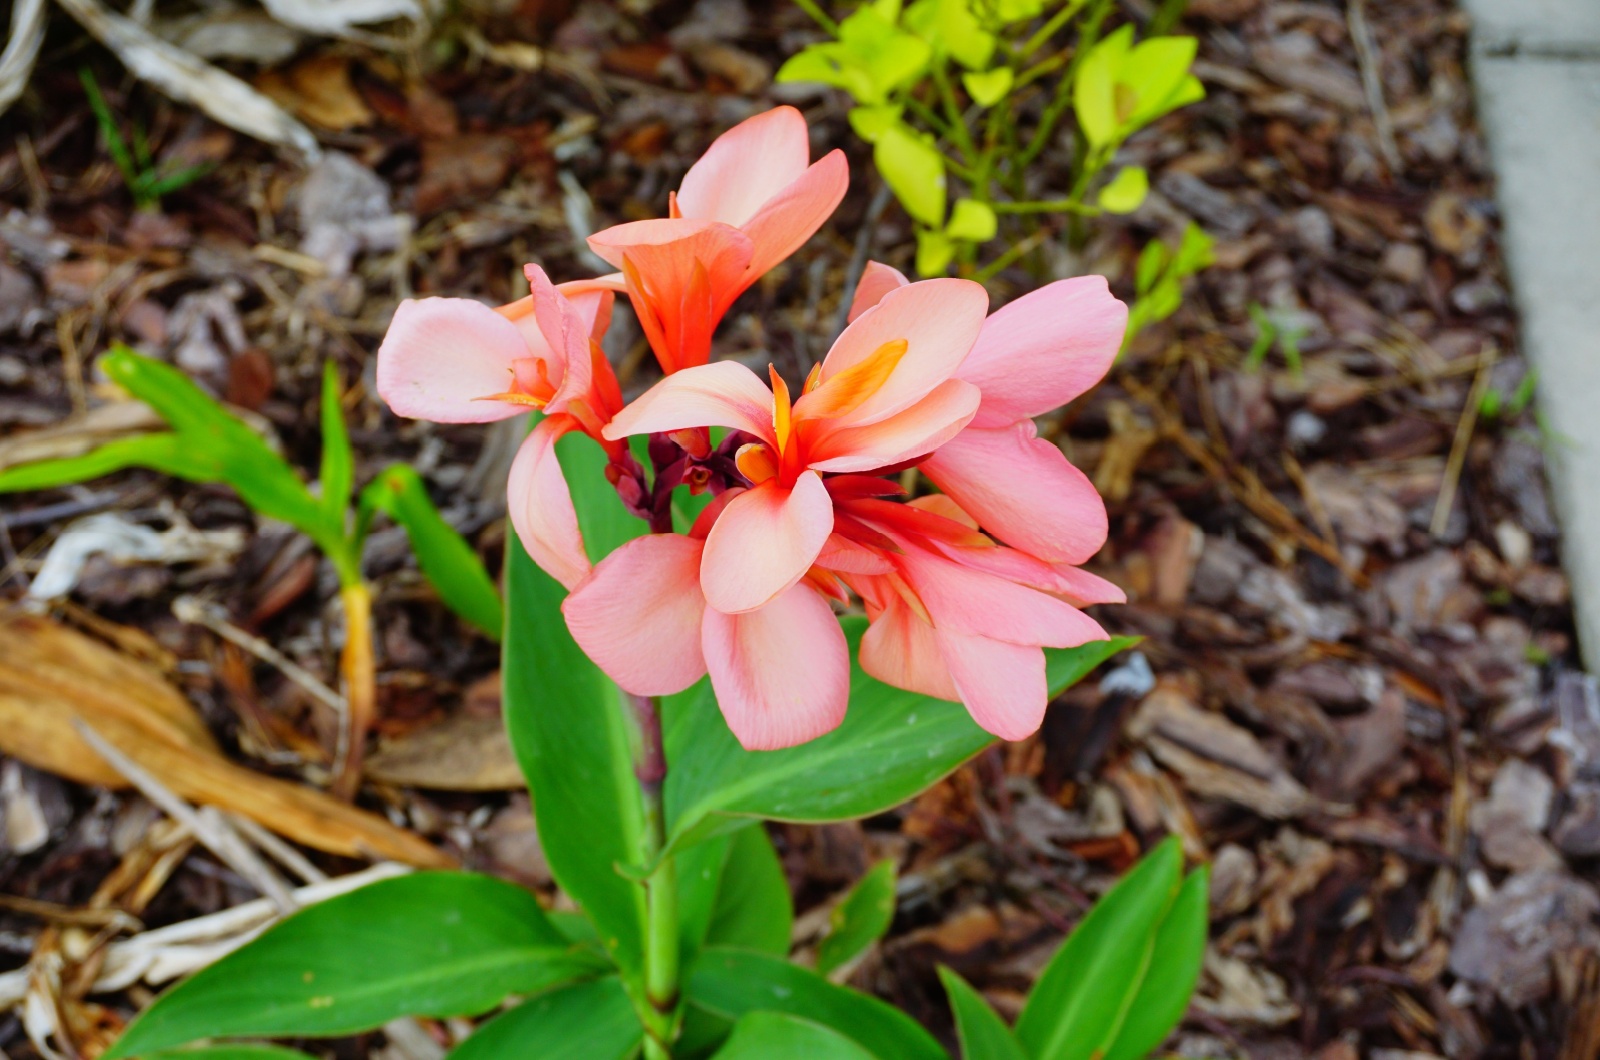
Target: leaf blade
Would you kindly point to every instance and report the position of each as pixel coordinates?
(980, 1031)
(587, 1021)
(860, 919)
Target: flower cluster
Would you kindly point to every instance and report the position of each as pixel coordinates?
(963, 589)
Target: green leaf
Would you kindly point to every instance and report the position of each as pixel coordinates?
(428, 944)
(231, 1052)
(588, 1021)
(1178, 953)
(1194, 251)
(338, 462)
(1152, 260)
(753, 910)
(163, 451)
(869, 122)
(972, 220)
(732, 892)
(860, 919)
(731, 983)
(776, 1036)
(568, 725)
(990, 86)
(892, 745)
(934, 251)
(1077, 1007)
(914, 169)
(1017, 10)
(1157, 73)
(446, 558)
(952, 29)
(983, 1035)
(1126, 191)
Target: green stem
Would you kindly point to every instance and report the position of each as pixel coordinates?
(661, 956)
(958, 121)
(819, 16)
(1071, 205)
(1063, 97)
(1049, 29)
(1013, 253)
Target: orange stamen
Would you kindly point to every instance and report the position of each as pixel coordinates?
(782, 411)
(756, 462)
(850, 389)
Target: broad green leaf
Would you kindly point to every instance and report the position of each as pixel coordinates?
(891, 746)
(428, 944)
(587, 1021)
(731, 983)
(983, 1035)
(1178, 953)
(860, 919)
(869, 122)
(446, 559)
(1080, 1001)
(1157, 73)
(914, 169)
(231, 1052)
(1126, 191)
(1094, 89)
(568, 725)
(934, 251)
(338, 462)
(990, 86)
(776, 1036)
(753, 909)
(164, 451)
(972, 220)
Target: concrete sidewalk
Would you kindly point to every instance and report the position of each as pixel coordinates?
(1536, 68)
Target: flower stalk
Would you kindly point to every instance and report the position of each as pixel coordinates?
(661, 888)
(358, 669)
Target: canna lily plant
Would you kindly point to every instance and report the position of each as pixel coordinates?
(730, 600)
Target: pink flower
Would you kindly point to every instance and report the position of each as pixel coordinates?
(454, 360)
(954, 615)
(1034, 355)
(781, 672)
(747, 204)
(883, 396)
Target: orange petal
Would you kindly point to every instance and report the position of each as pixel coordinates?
(848, 390)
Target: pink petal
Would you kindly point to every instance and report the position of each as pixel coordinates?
(764, 542)
(876, 281)
(746, 167)
(1022, 490)
(1081, 588)
(638, 615)
(540, 505)
(900, 649)
(846, 556)
(1004, 686)
(963, 600)
(1044, 349)
(793, 215)
(781, 673)
(566, 332)
(725, 394)
(938, 319)
(442, 355)
(904, 436)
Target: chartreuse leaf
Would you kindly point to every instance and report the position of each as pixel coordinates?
(1079, 1005)
(429, 944)
(891, 745)
(1179, 952)
(972, 220)
(446, 559)
(990, 86)
(870, 121)
(338, 461)
(730, 983)
(952, 29)
(934, 251)
(231, 1052)
(567, 723)
(983, 1035)
(1094, 88)
(1126, 191)
(776, 1036)
(860, 919)
(914, 169)
(586, 1021)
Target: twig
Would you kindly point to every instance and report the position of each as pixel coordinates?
(66, 914)
(1458, 449)
(191, 609)
(1367, 58)
(207, 823)
(863, 250)
(277, 849)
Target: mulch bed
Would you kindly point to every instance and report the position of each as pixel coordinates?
(1359, 696)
